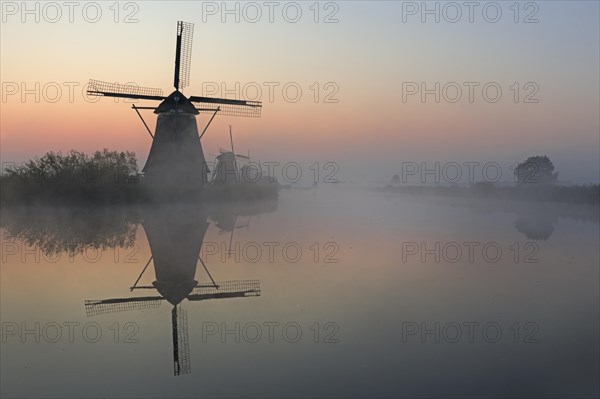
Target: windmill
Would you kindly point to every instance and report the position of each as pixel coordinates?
(227, 171)
(176, 156)
(175, 243)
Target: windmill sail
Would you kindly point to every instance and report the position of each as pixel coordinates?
(98, 307)
(229, 107)
(226, 289)
(183, 54)
(107, 89)
(181, 346)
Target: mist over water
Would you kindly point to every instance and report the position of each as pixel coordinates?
(379, 293)
(300, 199)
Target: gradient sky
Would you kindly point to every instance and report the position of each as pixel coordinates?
(368, 54)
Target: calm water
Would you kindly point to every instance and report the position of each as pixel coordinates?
(326, 292)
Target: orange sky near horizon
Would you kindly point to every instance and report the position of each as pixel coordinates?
(367, 55)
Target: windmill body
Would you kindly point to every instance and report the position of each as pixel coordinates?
(227, 171)
(175, 244)
(176, 158)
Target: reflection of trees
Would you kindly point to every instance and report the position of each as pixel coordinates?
(71, 230)
(75, 229)
(536, 220)
(537, 226)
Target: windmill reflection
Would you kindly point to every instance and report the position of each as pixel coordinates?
(198, 292)
(175, 238)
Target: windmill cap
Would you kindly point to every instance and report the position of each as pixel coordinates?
(176, 101)
(175, 292)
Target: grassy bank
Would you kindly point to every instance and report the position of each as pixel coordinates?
(107, 178)
(103, 177)
(579, 194)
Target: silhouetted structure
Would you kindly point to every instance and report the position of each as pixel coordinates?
(175, 244)
(176, 157)
(227, 170)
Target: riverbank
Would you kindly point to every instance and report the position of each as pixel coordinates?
(582, 194)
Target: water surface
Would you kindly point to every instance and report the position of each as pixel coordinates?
(354, 293)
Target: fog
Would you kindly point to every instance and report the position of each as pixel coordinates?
(372, 264)
(300, 199)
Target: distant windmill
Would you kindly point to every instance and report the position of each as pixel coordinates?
(175, 243)
(176, 155)
(226, 170)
